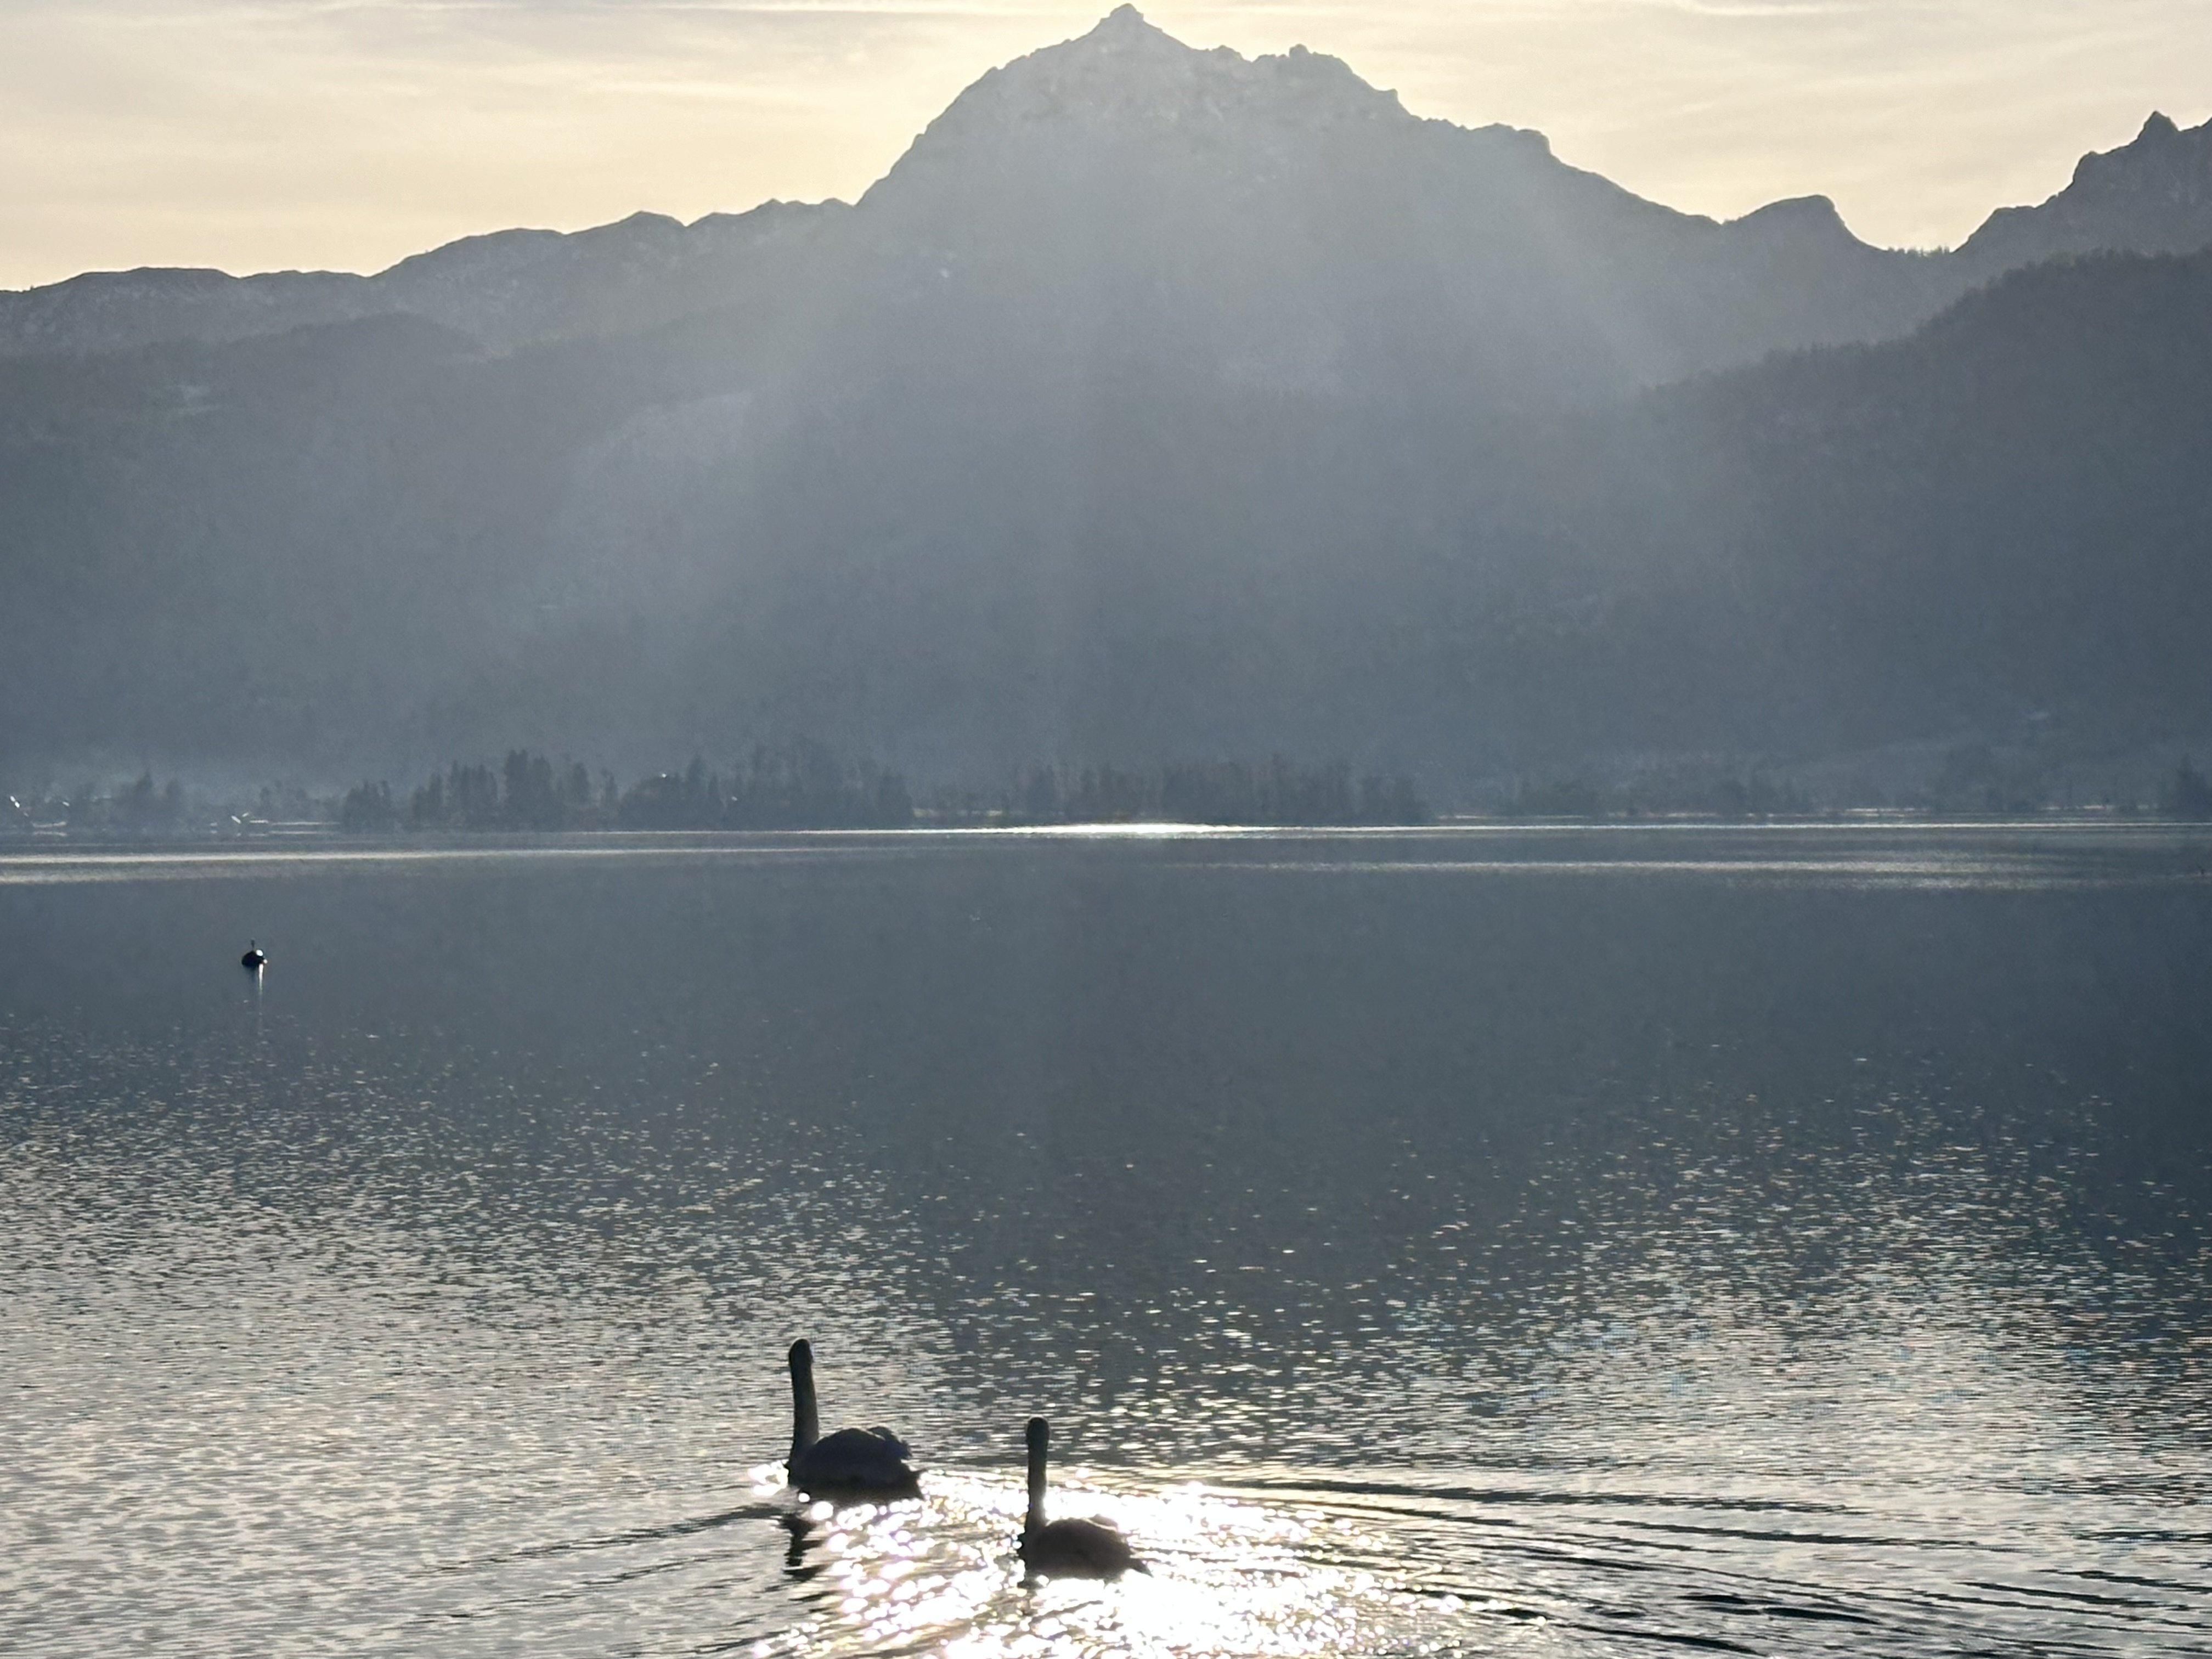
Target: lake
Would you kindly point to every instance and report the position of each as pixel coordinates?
(1548, 1242)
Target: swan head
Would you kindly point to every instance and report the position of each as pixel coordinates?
(801, 1357)
(1039, 1435)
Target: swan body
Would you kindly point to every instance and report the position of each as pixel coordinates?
(1068, 1549)
(850, 1463)
(255, 958)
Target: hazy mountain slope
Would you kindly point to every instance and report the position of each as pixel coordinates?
(2004, 523)
(279, 546)
(629, 548)
(1300, 228)
(2001, 524)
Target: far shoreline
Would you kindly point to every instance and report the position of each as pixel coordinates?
(292, 840)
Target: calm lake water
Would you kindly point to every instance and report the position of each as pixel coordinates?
(1545, 1242)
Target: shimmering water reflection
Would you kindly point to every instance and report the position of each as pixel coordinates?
(1696, 1246)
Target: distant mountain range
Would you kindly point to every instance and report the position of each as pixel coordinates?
(1297, 148)
(1157, 403)
(510, 289)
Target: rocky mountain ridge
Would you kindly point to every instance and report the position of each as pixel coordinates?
(1789, 275)
(2151, 195)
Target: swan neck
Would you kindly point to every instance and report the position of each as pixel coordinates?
(805, 1418)
(1035, 1519)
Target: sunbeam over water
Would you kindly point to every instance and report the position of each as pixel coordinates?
(1765, 1242)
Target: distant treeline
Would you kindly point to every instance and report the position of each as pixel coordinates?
(143, 808)
(1974, 781)
(146, 811)
(808, 786)
(804, 786)
(797, 786)
(1721, 796)
(1281, 792)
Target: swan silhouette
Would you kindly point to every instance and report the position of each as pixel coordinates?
(255, 958)
(850, 1463)
(1068, 1549)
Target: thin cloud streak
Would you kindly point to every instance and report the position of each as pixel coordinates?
(257, 134)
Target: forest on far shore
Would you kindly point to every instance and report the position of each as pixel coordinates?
(808, 786)
(793, 786)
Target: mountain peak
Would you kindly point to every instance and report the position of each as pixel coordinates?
(1127, 81)
(2152, 195)
(1794, 213)
(1128, 72)
(1124, 21)
(1121, 32)
(2160, 147)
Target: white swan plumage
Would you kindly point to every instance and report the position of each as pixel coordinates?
(1068, 1549)
(852, 1463)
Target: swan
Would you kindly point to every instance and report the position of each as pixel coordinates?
(1068, 1549)
(852, 1463)
(255, 958)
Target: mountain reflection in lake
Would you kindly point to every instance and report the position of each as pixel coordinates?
(1571, 1243)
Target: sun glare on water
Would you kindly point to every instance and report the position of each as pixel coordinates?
(939, 1575)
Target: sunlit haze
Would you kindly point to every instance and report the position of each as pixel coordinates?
(345, 134)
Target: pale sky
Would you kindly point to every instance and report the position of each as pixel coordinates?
(255, 135)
